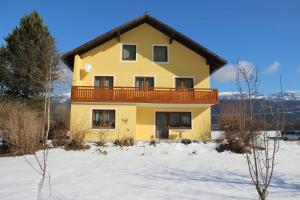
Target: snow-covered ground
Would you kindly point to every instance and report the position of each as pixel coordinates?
(167, 171)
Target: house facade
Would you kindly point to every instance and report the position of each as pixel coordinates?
(145, 80)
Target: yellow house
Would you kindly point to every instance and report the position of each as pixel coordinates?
(143, 79)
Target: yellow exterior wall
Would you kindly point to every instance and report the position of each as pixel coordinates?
(81, 118)
(106, 60)
(145, 125)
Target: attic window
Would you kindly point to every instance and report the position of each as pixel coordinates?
(129, 52)
(160, 53)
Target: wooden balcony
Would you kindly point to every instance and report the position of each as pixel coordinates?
(138, 95)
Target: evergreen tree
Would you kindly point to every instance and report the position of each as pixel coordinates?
(25, 58)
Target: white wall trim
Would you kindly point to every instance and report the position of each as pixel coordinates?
(168, 52)
(136, 53)
(101, 108)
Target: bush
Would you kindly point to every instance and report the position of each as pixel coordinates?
(186, 141)
(102, 137)
(125, 141)
(58, 130)
(60, 142)
(152, 141)
(60, 113)
(21, 127)
(77, 136)
(233, 145)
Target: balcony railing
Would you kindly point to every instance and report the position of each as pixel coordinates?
(144, 95)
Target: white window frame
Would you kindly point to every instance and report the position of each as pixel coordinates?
(91, 119)
(168, 53)
(136, 54)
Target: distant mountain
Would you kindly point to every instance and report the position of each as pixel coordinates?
(286, 96)
(63, 98)
(291, 102)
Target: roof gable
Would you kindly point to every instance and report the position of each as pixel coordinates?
(214, 61)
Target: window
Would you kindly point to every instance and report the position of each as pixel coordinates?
(184, 83)
(104, 81)
(180, 120)
(129, 52)
(144, 82)
(160, 53)
(104, 119)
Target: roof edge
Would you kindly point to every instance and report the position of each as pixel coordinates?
(213, 60)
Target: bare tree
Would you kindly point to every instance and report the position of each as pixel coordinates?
(42, 161)
(261, 158)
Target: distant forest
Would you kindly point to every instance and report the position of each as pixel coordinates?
(292, 112)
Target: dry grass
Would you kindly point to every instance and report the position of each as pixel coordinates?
(22, 127)
(125, 141)
(77, 137)
(102, 137)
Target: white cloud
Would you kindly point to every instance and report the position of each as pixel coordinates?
(272, 68)
(228, 72)
(298, 69)
(64, 74)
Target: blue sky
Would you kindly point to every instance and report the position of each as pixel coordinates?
(257, 33)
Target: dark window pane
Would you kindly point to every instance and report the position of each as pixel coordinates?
(129, 52)
(139, 82)
(160, 54)
(188, 83)
(150, 82)
(96, 118)
(175, 119)
(186, 119)
(178, 83)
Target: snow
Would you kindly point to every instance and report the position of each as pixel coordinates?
(287, 96)
(168, 171)
(216, 134)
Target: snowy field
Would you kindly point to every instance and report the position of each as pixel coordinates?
(167, 171)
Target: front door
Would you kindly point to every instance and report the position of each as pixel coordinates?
(162, 130)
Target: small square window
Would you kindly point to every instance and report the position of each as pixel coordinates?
(160, 53)
(129, 52)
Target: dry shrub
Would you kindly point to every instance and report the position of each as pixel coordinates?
(102, 137)
(186, 141)
(58, 130)
(60, 113)
(60, 121)
(125, 141)
(235, 120)
(77, 136)
(233, 145)
(22, 127)
(152, 141)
